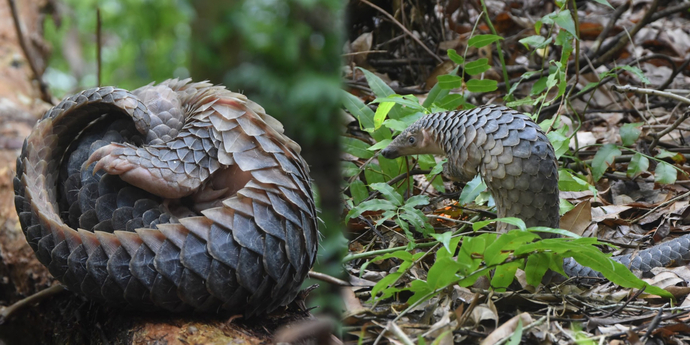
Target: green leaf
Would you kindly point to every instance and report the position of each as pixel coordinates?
(373, 172)
(485, 85)
(388, 192)
(539, 86)
(665, 173)
(568, 182)
(614, 271)
(505, 274)
(390, 167)
(634, 71)
(453, 55)
(535, 41)
(565, 21)
(516, 337)
(381, 113)
(630, 133)
(470, 253)
(559, 141)
(356, 147)
(675, 156)
(509, 220)
(359, 191)
(477, 67)
(437, 92)
(472, 190)
(603, 159)
(370, 205)
(449, 82)
(449, 250)
(604, 2)
(564, 206)
(560, 232)
(483, 40)
(497, 251)
(380, 145)
(395, 125)
(451, 102)
(417, 200)
(382, 90)
(444, 238)
(383, 284)
(420, 289)
(400, 254)
(408, 101)
(377, 85)
(359, 110)
(638, 163)
(442, 273)
(349, 169)
(536, 267)
(417, 218)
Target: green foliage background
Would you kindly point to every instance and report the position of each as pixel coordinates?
(143, 41)
(284, 54)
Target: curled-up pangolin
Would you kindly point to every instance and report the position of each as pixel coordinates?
(180, 196)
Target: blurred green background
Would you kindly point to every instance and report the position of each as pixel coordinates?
(283, 54)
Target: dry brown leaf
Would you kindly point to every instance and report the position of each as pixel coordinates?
(583, 139)
(507, 328)
(578, 219)
(483, 312)
(610, 212)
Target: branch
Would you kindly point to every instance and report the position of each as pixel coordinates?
(32, 64)
(404, 29)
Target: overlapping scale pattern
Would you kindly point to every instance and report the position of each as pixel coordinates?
(245, 246)
(517, 162)
(512, 154)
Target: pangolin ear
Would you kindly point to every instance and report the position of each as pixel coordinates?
(427, 137)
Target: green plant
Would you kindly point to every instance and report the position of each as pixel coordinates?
(461, 259)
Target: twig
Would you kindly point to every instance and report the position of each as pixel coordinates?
(404, 29)
(402, 337)
(653, 324)
(628, 88)
(98, 46)
(363, 52)
(7, 312)
(670, 128)
(328, 279)
(623, 41)
(498, 46)
(663, 204)
(604, 33)
(657, 136)
(625, 304)
(29, 57)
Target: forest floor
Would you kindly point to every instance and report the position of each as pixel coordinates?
(623, 158)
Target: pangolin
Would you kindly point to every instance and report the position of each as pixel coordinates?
(517, 162)
(510, 151)
(180, 196)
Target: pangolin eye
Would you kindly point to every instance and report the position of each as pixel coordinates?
(411, 140)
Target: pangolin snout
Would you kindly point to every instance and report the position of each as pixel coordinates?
(389, 153)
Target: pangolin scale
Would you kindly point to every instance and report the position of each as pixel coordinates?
(199, 201)
(517, 162)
